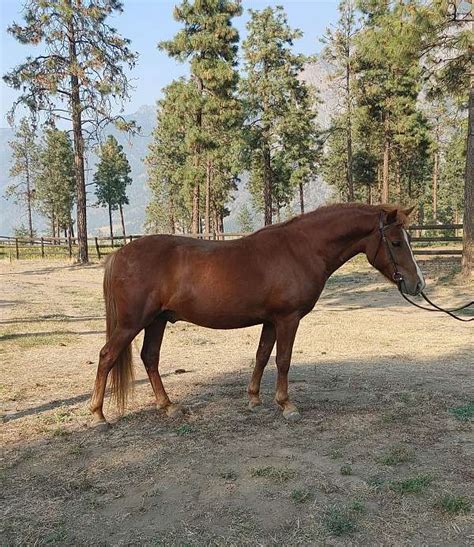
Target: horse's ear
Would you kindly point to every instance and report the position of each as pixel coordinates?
(408, 211)
(391, 216)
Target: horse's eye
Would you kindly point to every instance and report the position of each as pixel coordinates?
(396, 243)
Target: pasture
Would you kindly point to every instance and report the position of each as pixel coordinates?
(382, 456)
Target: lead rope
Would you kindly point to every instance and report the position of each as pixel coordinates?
(398, 278)
(438, 308)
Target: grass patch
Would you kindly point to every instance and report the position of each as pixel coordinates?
(358, 507)
(185, 429)
(346, 470)
(375, 482)
(57, 536)
(414, 485)
(398, 454)
(276, 474)
(463, 413)
(399, 415)
(453, 505)
(339, 522)
(301, 495)
(61, 432)
(405, 398)
(335, 454)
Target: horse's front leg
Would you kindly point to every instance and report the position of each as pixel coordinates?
(265, 346)
(285, 332)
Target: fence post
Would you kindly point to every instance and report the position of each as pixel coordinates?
(69, 243)
(42, 247)
(130, 239)
(97, 248)
(17, 249)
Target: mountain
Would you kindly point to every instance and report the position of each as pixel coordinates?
(12, 216)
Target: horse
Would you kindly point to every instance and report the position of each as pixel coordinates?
(272, 277)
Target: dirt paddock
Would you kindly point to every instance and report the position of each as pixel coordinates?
(382, 456)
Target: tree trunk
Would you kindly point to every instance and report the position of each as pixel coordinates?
(435, 186)
(122, 220)
(28, 201)
(53, 225)
(83, 256)
(195, 226)
(350, 181)
(215, 221)
(379, 181)
(196, 216)
(171, 221)
(435, 173)
(110, 225)
(468, 221)
(267, 186)
(207, 211)
(386, 163)
(221, 225)
(347, 43)
(398, 182)
(301, 198)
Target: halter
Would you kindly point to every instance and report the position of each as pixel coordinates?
(398, 278)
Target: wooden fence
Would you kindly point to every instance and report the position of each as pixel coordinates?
(427, 239)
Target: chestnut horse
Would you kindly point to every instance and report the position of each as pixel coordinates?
(272, 277)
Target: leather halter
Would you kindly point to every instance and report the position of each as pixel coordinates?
(398, 278)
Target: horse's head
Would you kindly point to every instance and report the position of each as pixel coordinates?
(388, 249)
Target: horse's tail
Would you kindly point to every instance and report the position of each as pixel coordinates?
(122, 370)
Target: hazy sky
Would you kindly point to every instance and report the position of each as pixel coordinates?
(145, 23)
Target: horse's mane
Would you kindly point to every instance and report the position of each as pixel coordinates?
(325, 209)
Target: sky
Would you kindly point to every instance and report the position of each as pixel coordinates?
(145, 23)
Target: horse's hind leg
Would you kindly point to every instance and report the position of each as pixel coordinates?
(151, 358)
(119, 340)
(265, 346)
(286, 332)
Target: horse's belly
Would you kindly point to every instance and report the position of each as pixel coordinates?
(212, 320)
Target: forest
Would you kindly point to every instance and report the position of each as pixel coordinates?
(401, 75)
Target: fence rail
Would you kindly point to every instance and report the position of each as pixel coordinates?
(64, 247)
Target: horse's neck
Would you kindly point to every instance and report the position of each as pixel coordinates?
(340, 234)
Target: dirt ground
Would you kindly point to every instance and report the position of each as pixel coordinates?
(382, 456)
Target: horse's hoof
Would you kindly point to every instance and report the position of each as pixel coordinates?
(254, 406)
(172, 411)
(291, 415)
(101, 427)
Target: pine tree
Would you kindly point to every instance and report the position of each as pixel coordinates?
(170, 209)
(339, 52)
(388, 83)
(111, 179)
(278, 107)
(445, 32)
(24, 169)
(77, 76)
(245, 220)
(208, 42)
(56, 181)
(451, 176)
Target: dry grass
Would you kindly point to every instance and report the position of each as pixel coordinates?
(380, 457)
